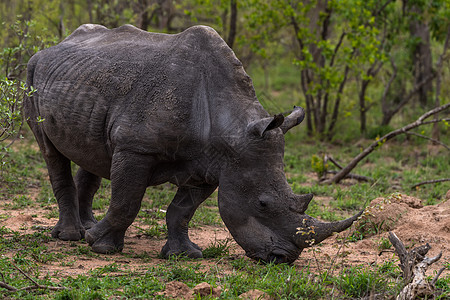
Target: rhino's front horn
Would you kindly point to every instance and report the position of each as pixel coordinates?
(294, 118)
(313, 231)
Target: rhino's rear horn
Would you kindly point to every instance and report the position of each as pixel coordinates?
(294, 118)
(259, 127)
(301, 203)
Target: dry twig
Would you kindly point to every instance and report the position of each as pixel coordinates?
(430, 181)
(36, 285)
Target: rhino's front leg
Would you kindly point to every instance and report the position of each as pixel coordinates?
(179, 213)
(129, 178)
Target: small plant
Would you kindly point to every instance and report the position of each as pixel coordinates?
(185, 272)
(384, 244)
(217, 249)
(156, 230)
(390, 268)
(318, 166)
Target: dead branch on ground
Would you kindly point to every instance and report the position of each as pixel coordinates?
(429, 182)
(327, 158)
(414, 265)
(419, 122)
(35, 285)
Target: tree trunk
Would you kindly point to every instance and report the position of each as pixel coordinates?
(421, 55)
(144, 21)
(89, 6)
(233, 21)
(61, 27)
(435, 131)
(362, 106)
(165, 14)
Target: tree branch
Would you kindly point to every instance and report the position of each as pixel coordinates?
(420, 121)
(352, 176)
(336, 48)
(408, 97)
(388, 85)
(428, 138)
(436, 121)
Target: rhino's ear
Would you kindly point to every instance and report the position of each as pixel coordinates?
(259, 127)
(295, 118)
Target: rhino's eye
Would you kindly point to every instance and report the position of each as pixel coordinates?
(262, 203)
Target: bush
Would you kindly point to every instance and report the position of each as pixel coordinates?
(378, 131)
(12, 94)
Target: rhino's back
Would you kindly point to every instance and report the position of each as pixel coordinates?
(101, 88)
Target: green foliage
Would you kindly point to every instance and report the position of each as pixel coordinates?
(378, 131)
(318, 166)
(13, 90)
(384, 244)
(24, 39)
(12, 94)
(217, 249)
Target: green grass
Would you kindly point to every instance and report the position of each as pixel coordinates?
(217, 249)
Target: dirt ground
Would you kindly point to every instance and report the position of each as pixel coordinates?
(413, 223)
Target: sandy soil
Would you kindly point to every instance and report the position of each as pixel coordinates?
(412, 222)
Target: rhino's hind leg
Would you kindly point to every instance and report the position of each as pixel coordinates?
(179, 214)
(129, 178)
(69, 226)
(87, 185)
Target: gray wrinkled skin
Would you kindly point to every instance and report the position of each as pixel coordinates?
(142, 109)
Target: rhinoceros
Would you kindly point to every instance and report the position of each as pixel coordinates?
(142, 109)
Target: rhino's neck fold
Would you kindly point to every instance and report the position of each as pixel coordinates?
(200, 111)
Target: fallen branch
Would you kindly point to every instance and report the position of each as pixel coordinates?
(335, 162)
(414, 265)
(350, 176)
(430, 181)
(36, 285)
(327, 159)
(420, 121)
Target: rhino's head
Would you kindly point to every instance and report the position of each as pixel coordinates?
(257, 204)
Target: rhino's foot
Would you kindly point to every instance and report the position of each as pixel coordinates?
(88, 223)
(68, 232)
(105, 240)
(177, 247)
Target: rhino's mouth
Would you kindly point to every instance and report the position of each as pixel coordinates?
(276, 255)
(280, 257)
